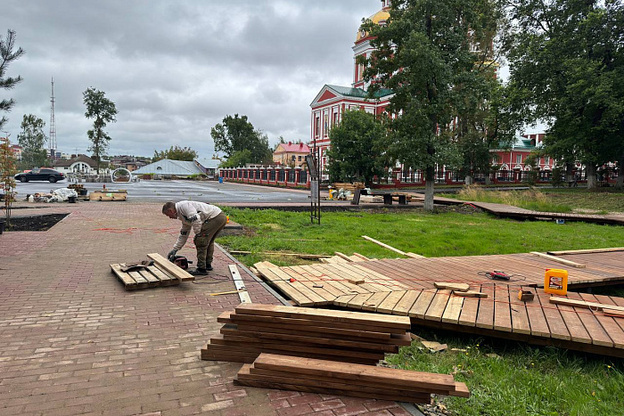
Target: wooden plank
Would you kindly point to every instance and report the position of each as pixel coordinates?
(559, 260)
(375, 300)
(328, 382)
(556, 324)
(125, 278)
(438, 305)
(453, 310)
(305, 326)
(469, 311)
(162, 276)
(145, 274)
(239, 284)
(459, 287)
(372, 240)
(594, 328)
(343, 256)
(391, 322)
(265, 337)
(390, 301)
(242, 380)
(470, 294)
(403, 306)
(519, 317)
(502, 308)
(422, 305)
(588, 251)
(360, 256)
(575, 326)
(357, 302)
(579, 303)
(284, 286)
(485, 315)
(171, 268)
(608, 323)
(389, 376)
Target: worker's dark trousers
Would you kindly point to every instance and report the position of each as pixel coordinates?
(204, 241)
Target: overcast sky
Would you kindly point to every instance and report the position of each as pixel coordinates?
(174, 69)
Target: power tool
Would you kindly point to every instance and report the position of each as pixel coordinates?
(181, 261)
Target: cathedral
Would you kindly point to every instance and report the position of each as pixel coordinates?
(333, 100)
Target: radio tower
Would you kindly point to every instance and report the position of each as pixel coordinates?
(52, 139)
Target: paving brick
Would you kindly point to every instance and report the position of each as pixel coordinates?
(303, 409)
(75, 342)
(327, 405)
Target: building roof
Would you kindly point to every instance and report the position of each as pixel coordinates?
(169, 167)
(209, 163)
(65, 163)
(359, 92)
(292, 148)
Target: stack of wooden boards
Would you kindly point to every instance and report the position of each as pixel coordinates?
(161, 273)
(357, 380)
(352, 337)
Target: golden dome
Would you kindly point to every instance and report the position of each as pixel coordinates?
(378, 18)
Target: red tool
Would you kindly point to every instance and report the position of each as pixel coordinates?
(498, 275)
(182, 262)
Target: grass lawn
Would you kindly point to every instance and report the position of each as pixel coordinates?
(504, 378)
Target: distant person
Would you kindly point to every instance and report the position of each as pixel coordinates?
(206, 221)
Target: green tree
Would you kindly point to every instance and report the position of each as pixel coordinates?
(7, 180)
(7, 55)
(238, 158)
(175, 153)
(432, 55)
(236, 134)
(32, 139)
(567, 68)
(357, 150)
(103, 111)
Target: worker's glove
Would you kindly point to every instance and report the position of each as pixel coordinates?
(171, 255)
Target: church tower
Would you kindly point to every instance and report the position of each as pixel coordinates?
(362, 46)
(333, 100)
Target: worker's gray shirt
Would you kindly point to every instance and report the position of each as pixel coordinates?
(193, 214)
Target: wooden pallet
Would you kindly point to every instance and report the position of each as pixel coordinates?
(328, 377)
(152, 276)
(333, 335)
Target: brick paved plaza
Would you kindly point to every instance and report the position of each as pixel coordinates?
(73, 341)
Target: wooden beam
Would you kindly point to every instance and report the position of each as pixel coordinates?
(169, 267)
(240, 285)
(396, 250)
(459, 287)
(343, 256)
(279, 253)
(588, 251)
(584, 304)
(559, 260)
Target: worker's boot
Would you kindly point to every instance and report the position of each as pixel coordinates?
(199, 272)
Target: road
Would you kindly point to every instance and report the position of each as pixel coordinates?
(160, 191)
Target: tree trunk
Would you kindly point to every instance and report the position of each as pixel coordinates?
(468, 180)
(429, 182)
(592, 183)
(569, 175)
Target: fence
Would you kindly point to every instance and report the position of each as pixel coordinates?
(268, 175)
(398, 178)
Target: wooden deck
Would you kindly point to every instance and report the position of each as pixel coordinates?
(406, 287)
(508, 211)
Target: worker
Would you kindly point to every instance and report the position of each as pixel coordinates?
(206, 221)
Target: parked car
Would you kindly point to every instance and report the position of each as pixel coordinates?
(45, 174)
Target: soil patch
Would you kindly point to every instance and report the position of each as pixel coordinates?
(34, 223)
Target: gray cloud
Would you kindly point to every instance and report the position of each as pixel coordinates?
(175, 69)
